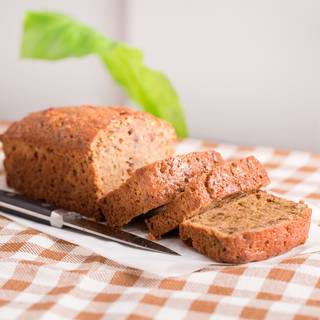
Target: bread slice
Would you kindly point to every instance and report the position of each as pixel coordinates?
(243, 175)
(249, 227)
(154, 185)
(73, 156)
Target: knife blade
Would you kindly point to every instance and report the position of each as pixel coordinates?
(24, 207)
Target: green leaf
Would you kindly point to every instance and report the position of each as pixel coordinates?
(53, 36)
(149, 88)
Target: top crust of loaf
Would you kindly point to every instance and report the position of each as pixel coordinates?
(154, 185)
(69, 128)
(243, 175)
(248, 227)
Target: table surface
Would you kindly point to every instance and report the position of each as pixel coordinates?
(41, 276)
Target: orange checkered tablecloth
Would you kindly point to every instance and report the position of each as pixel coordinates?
(41, 276)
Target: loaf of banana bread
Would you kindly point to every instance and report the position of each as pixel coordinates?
(73, 156)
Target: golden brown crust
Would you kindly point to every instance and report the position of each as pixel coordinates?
(252, 244)
(72, 156)
(154, 185)
(70, 127)
(233, 177)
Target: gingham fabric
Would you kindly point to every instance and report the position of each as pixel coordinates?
(44, 277)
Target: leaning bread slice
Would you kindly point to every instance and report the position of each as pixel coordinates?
(155, 185)
(202, 192)
(247, 228)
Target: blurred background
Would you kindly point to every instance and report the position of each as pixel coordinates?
(247, 72)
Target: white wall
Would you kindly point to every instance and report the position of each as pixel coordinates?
(27, 85)
(247, 71)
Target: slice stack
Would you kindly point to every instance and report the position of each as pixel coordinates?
(155, 185)
(225, 216)
(204, 191)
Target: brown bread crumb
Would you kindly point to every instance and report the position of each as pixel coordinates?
(249, 227)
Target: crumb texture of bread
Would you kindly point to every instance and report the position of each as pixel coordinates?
(154, 185)
(249, 227)
(72, 156)
(207, 190)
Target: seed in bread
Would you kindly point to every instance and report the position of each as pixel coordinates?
(249, 227)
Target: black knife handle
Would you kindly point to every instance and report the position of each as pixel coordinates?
(23, 215)
(15, 201)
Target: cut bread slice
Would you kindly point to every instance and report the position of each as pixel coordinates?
(249, 227)
(243, 175)
(155, 185)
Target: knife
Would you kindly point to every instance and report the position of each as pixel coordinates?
(24, 207)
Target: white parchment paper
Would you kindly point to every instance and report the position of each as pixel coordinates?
(157, 263)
